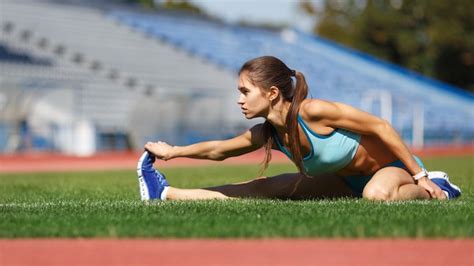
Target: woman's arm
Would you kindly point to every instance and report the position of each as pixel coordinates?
(338, 115)
(212, 150)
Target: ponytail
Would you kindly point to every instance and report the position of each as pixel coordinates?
(300, 93)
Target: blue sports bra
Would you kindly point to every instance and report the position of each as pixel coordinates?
(329, 153)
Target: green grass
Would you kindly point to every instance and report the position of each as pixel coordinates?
(105, 204)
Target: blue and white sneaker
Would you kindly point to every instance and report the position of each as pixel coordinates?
(152, 183)
(442, 180)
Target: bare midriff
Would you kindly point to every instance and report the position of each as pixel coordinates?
(371, 155)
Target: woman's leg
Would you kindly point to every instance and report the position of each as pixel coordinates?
(393, 183)
(285, 186)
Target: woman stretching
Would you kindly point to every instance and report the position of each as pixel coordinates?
(339, 150)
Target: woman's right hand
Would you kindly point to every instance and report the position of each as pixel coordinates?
(160, 149)
(433, 189)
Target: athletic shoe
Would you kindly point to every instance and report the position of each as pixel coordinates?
(442, 180)
(152, 183)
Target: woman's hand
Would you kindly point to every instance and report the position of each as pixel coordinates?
(434, 191)
(160, 149)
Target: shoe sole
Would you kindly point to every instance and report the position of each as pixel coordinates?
(143, 188)
(454, 186)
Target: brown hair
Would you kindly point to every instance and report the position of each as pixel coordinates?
(267, 71)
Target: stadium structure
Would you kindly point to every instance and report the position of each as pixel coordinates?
(79, 77)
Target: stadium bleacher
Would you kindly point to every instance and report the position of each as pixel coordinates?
(109, 77)
(118, 63)
(333, 72)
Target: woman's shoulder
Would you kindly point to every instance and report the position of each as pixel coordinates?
(313, 109)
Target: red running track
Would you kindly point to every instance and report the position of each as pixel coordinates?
(50, 162)
(207, 252)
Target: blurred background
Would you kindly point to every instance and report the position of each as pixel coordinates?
(79, 77)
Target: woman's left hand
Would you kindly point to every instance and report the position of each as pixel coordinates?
(160, 149)
(434, 191)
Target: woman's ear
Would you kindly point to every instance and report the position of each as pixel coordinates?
(273, 93)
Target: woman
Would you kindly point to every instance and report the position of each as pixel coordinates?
(334, 146)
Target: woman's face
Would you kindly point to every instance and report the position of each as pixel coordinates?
(252, 100)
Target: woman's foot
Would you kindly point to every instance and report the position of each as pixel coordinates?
(152, 183)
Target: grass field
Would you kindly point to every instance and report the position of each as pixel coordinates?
(106, 204)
